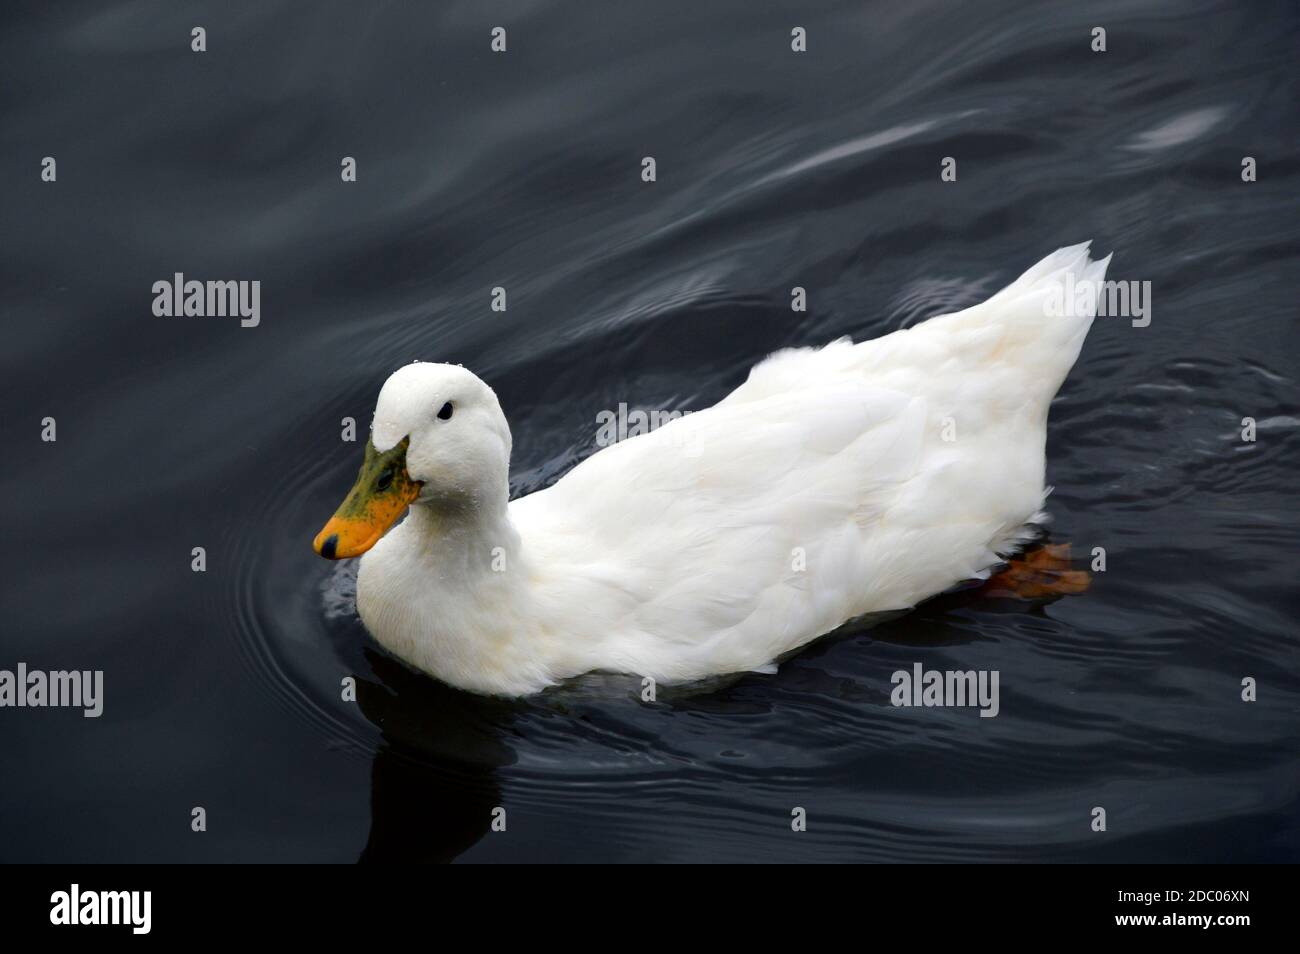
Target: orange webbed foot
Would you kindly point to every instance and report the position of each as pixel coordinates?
(1040, 574)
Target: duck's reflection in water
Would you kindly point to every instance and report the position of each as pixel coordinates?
(433, 784)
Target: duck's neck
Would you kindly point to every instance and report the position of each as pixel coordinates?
(469, 544)
(450, 595)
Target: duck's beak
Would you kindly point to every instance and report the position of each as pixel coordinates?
(376, 501)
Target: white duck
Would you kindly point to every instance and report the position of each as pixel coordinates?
(834, 482)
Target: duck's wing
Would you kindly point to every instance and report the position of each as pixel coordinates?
(802, 459)
(729, 536)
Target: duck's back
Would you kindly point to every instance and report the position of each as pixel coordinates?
(835, 482)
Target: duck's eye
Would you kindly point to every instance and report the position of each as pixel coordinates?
(444, 413)
(385, 481)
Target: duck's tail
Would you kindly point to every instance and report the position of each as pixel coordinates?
(1037, 323)
(1014, 348)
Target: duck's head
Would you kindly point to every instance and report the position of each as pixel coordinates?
(439, 439)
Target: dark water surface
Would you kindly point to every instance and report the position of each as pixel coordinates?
(523, 170)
